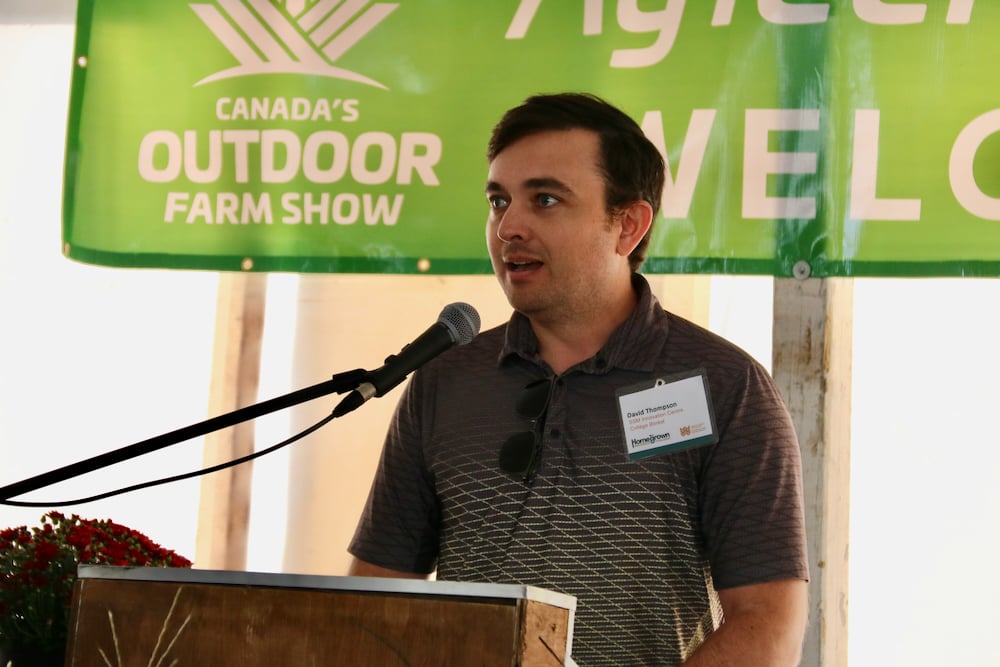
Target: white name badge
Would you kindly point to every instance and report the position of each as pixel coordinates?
(667, 414)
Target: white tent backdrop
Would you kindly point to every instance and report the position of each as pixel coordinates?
(92, 359)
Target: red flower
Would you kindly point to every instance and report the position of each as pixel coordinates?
(38, 570)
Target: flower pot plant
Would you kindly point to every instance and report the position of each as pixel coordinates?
(38, 570)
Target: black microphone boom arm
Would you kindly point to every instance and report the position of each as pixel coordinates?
(340, 383)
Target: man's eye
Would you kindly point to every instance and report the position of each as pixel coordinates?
(496, 201)
(545, 201)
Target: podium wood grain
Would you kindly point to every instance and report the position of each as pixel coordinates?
(122, 623)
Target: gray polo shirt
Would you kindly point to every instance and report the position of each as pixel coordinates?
(643, 545)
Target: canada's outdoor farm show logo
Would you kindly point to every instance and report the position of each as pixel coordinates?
(297, 162)
(291, 36)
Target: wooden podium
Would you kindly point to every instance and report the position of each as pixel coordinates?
(124, 616)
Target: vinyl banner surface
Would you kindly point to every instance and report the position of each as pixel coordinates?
(840, 138)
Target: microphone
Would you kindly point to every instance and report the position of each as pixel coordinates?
(457, 324)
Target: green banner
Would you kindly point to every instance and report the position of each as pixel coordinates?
(844, 138)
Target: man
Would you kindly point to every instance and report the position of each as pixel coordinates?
(511, 459)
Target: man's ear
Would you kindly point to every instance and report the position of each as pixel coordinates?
(634, 221)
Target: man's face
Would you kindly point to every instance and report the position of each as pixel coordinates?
(551, 241)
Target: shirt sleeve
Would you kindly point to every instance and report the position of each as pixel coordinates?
(752, 501)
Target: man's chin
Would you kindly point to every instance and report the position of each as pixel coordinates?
(525, 304)
(525, 298)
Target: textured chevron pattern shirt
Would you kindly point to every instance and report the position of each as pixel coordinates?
(643, 545)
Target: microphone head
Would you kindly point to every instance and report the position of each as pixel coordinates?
(461, 320)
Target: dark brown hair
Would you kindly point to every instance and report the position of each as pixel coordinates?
(633, 167)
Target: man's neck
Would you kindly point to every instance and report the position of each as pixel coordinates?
(566, 342)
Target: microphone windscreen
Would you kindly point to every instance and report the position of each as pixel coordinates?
(461, 320)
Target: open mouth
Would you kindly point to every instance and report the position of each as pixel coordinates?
(517, 267)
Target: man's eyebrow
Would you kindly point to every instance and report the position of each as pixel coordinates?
(539, 183)
(547, 183)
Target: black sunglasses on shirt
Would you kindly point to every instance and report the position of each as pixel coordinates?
(521, 452)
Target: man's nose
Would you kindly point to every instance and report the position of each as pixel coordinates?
(513, 225)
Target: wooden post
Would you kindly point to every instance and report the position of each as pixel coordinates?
(813, 329)
(224, 511)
